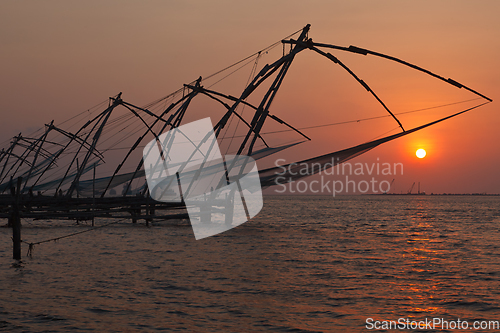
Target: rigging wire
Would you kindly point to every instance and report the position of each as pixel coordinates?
(253, 72)
(90, 111)
(31, 246)
(266, 49)
(252, 55)
(363, 119)
(231, 73)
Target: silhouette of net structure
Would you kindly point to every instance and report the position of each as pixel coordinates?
(77, 172)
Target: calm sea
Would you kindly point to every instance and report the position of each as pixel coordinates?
(304, 264)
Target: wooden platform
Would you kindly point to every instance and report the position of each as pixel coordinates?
(65, 208)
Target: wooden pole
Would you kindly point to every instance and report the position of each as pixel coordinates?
(148, 209)
(16, 222)
(93, 196)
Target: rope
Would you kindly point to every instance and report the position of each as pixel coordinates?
(231, 73)
(250, 78)
(258, 53)
(252, 55)
(362, 119)
(31, 246)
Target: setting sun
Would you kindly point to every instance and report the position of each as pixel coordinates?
(421, 153)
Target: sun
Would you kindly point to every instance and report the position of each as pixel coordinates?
(421, 153)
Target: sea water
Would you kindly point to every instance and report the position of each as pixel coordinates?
(303, 264)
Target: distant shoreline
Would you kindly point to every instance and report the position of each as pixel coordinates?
(442, 194)
(384, 194)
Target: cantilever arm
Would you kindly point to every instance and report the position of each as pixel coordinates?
(75, 137)
(355, 49)
(159, 118)
(44, 152)
(143, 121)
(204, 92)
(281, 121)
(363, 83)
(232, 98)
(209, 93)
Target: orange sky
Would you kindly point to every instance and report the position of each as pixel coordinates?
(59, 58)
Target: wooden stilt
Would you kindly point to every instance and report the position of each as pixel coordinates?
(16, 222)
(149, 208)
(93, 196)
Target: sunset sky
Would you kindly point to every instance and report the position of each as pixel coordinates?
(59, 58)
